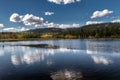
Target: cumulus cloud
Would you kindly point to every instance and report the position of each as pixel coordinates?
(32, 20)
(49, 13)
(93, 22)
(15, 17)
(68, 25)
(24, 29)
(50, 25)
(10, 29)
(1, 25)
(28, 19)
(97, 14)
(13, 29)
(64, 1)
(116, 21)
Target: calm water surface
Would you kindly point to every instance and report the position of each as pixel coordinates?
(74, 60)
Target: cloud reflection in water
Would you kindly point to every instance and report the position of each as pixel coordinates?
(37, 55)
(100, 51)
(67, 75)
(16, 60)
(102, 60)
(97, 51)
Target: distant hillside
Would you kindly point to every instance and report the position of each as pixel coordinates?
(102, 25)
(105, 30)
(47, 30)
(86, 27)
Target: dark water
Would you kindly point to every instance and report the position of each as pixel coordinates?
(73, 60)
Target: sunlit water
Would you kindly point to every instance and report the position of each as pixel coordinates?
(74, 60)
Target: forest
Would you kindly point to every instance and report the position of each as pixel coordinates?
(105, 30)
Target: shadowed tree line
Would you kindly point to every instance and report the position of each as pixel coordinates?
(108, 30)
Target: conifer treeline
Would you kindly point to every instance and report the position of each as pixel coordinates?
(107, 30)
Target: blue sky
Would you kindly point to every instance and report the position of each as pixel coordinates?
(26, 14)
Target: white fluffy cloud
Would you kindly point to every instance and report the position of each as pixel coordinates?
(93, 22)
(49, 13)
(50, 25)
(97, 14)
(69, 25)
(32, 20)
(23, 29)
(1, 25)
(13, 29)
(116, 21)
(64, 1)
(16, 17)
(28, 19)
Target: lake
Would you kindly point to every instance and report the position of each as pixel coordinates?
(69, 59)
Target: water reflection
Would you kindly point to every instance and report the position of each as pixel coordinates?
(1, 51)
(103, 47)
(93, 59)
(49, 62)
(101, 60)
(37, 55)
(16, 60)
(100, 51)
(30, 57)
(66, 75)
